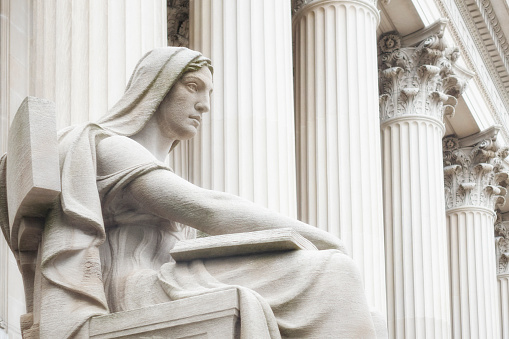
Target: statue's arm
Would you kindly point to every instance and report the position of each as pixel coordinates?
(163, 193)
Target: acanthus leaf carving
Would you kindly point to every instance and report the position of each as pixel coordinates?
(474, 175)
(427, 67)
(502, 245)
(297, 5)
(178, 23)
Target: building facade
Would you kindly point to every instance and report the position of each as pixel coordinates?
(382, 122)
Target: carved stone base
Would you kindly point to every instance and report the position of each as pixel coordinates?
(213, 315)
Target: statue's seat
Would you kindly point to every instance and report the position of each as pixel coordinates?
(32, 184)
(211, 315)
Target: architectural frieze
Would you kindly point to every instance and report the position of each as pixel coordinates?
(418, 80)
(471, 45)
(474, 175)
(178, 23)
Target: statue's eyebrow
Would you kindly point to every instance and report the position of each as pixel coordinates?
(188, 77)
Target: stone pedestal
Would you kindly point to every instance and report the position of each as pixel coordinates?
(418, 86)
(474, 185)
(337, 129)
(246, 143)
(84, 52)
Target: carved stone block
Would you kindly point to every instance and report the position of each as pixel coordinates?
(212, 315)
(33, 180)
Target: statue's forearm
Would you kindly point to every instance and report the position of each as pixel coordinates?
(171, 197)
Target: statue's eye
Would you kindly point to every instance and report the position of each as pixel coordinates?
(192, 87)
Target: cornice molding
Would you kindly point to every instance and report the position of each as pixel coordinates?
(466, 37)
(419, 80)
(474, 173)
(492, 25)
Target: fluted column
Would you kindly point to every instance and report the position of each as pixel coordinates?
(502, 267)
(418, 86)
(78, 54)
(337, 129)
(246, 144)
(475, 183)
(84, 51)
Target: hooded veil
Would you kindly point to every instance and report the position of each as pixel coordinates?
(71, 284)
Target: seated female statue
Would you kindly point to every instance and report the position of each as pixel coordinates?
(106, 243)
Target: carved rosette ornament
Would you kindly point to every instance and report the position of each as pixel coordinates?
(418, 80)
(474, 175)
(502, 246)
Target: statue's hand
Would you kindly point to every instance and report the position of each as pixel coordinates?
(322, 240)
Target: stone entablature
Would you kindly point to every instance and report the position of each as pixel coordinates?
(473, 171)
(420, 79)
(487, 76)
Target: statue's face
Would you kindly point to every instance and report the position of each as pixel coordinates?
(179, 114)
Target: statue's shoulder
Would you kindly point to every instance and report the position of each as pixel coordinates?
(116, 153)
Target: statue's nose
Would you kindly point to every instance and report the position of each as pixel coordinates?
(203, 106)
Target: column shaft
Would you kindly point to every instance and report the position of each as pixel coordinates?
(84, 52)
(473, 273)
(503, 295)
(416, 249)
(337, 129)
(419, 84)
(246, 144)
(475, 184)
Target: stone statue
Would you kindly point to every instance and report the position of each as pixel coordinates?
(107, 239)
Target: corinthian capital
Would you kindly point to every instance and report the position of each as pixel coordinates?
(474, 173)
(418, 75)
(502, 246)
(297, 5)
(178, 22)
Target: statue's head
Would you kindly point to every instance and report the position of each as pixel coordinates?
(179, 115)
(159, 75)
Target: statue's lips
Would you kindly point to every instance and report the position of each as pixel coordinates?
(197, 119)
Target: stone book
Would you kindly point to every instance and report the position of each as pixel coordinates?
(283, 239)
